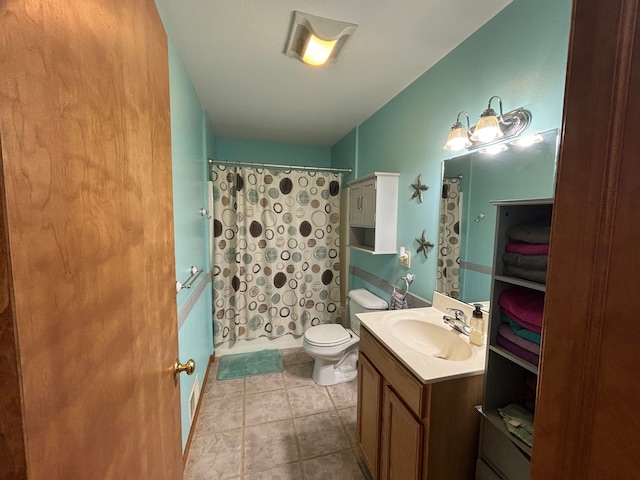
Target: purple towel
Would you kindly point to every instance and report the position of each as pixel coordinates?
(517, 351)
(527, 248)
(507, 332)
(524, 306)
(398, 301)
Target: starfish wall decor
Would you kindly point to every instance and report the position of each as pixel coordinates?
(419, 188)
(424, 244)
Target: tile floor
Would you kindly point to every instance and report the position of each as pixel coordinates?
(280, 426)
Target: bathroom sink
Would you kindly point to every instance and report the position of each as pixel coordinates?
(431, 340)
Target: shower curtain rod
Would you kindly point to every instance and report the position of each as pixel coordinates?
(273, 165)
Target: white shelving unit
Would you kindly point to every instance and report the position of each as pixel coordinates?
(373, 213)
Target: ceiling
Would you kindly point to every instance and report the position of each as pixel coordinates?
(232, 51)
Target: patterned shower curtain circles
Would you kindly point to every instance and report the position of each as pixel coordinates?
(448, 270)
(274, 251)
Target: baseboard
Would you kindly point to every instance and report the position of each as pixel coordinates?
(185, 455)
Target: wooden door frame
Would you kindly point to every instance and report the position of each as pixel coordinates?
(586, 420)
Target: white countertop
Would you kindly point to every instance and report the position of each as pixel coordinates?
(427, 368)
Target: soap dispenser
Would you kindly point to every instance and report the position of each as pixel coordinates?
(477, 326)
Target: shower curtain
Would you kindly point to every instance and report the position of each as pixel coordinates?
(274, 251)
(448, 271)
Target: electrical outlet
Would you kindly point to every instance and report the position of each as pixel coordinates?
(405, 260)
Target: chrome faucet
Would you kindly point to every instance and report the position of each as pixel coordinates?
(458, 321)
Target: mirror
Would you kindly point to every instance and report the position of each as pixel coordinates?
(467, 218)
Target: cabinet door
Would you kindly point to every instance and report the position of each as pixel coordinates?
(401, 440)
(355, 204)
(369, 400)
(368, 206)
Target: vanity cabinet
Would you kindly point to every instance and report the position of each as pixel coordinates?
(373, 212)
(402, 439)
(508, 377)
(369, 414)
(408, 429)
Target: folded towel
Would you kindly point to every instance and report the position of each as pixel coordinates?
(520, 330)
(517, 351)
(532, 262)
(538, 276)
(398, 301)
(523, 305)
(506, 332)
(519, 422)
(527, 248)
(531, 232)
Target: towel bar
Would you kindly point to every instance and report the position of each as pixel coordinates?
(195, 273)
(408, 278)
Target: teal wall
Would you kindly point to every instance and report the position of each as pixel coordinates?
(243, 150)
(191, 140)
(344, 154)
(519, 55)
(195, 340)
(188, 142)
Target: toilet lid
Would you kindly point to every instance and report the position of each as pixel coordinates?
(328, 335)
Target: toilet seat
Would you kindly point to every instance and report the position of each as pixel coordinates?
(328, 335)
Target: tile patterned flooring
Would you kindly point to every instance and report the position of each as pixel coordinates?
(280, 426)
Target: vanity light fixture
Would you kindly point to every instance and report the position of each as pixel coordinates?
(317, 40)
(528, 140)
(490, 129)
(458, 136)
(493, 149)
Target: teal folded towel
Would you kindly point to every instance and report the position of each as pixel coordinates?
(519, 422)
(520, 330)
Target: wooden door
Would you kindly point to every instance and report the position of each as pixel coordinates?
(88, 240)
(401, 456)
(369, 414)
(587, 422)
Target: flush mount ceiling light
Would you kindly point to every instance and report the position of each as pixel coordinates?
(491, 128)
(317, 40)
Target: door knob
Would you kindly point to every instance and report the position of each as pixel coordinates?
(188, 367)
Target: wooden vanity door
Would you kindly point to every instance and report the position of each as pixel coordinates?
(369, 394)
(402, 436)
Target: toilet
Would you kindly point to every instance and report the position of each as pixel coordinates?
(335, 348)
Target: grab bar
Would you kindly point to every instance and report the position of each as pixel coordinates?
(195, 273)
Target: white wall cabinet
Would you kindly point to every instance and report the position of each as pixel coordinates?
(373, 212)
(502, 455)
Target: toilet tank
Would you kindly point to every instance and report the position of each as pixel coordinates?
(362, 301)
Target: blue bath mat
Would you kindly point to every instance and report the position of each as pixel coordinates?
(241, 365)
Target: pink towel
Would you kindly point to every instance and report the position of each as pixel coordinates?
(527, 248)
(524, 306)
